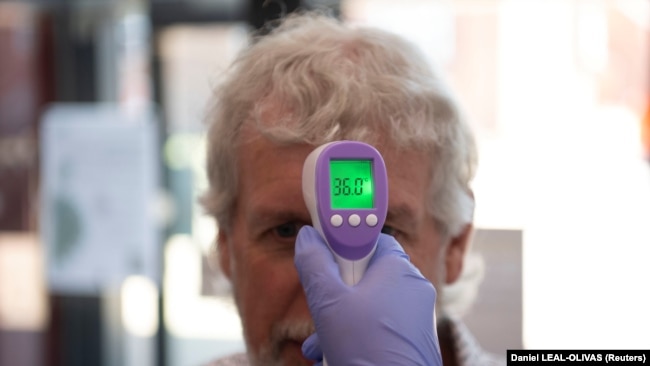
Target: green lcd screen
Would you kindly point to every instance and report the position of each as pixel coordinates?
(351, 184)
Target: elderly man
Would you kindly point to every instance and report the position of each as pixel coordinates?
(313, 80)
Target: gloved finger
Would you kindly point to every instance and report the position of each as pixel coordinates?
(388, 249)
(311, 348)
(387, 245)
(317, 268)
(390, 261)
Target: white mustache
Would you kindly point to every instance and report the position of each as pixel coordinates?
(291, 330)
(281, 334)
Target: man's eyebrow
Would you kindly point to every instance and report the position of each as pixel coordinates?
(262, 214)
(402, 214)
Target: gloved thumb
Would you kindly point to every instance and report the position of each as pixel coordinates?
(311, 348)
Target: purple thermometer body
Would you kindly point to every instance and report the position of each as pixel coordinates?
(345, 187)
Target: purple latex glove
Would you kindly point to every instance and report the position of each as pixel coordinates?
(385, 319)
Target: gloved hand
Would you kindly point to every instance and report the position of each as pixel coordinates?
(385, 319)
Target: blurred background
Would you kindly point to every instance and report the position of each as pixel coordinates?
(105, 254)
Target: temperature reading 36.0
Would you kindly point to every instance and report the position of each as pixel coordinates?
(351, 184)
(343, 187)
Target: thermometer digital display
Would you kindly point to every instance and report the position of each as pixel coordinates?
(345, 188)
(351, 184)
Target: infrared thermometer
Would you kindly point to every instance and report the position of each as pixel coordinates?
(345, 187)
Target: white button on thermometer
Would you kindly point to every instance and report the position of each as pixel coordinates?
(345, 187)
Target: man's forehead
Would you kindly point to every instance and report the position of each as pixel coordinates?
(266, 165)
(253, 144)
(256, 144)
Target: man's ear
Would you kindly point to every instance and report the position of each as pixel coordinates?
(223, 249)
(455, 254)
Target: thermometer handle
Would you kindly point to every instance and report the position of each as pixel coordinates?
(352, 270)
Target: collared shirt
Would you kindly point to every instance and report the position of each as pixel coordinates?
(468, 351)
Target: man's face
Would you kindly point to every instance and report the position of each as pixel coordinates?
(257, 251)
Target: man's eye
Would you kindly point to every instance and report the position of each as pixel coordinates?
(388, 230)
(287, 230)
